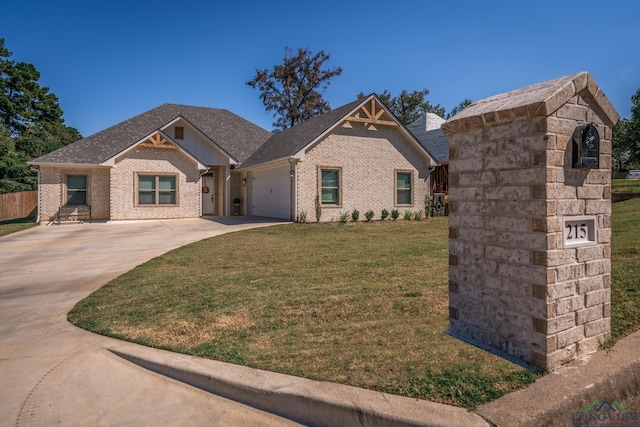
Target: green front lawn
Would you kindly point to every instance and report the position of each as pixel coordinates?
(625, 186)
(360, 304)
(625, 268)
(12, 225)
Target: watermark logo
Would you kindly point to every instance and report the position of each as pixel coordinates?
(601, 414)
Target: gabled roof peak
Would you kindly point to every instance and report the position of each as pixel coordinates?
(367, 111)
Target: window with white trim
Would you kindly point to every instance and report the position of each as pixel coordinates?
(156, 190)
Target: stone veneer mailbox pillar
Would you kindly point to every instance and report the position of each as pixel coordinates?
(529, 228)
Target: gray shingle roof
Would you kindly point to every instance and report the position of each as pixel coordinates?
(290, 141)
(436, 143)
(235, 135)
(434, 140)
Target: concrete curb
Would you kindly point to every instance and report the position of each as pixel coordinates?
(552, 400)
(313, 403)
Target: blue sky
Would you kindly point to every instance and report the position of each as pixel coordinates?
(108, 60)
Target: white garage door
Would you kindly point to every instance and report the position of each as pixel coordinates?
(271, 193)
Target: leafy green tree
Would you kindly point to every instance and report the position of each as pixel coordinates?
(15, 175)
(293, 90)
(626, 138)
(621, 153)
(31, 123)
(464, 104)
(409, 106)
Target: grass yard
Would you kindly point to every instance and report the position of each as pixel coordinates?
(13, 225)
(625, 268)
(625, 186)
(360, 304)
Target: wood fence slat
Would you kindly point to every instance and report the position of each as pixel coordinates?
(18, 205)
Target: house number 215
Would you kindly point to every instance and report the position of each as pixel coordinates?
(579, 231)
(576, 231)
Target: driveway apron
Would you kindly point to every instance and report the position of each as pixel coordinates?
(54, 373)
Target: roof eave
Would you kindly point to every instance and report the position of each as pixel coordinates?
(67, 165)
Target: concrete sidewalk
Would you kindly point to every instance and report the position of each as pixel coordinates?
(54, 373)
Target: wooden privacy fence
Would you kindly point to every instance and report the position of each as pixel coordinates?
(18, 205)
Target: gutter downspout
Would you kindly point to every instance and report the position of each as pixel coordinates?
(293, 174)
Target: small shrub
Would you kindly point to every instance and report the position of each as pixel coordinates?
(355, 215)
(427, 206)
(395, 214)
(344, 217)
(417, 215)
(384, 214)
(369, 215)
(302, 217)
(318, 208)
(408, 215)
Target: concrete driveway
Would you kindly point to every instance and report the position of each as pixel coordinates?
(52, 373)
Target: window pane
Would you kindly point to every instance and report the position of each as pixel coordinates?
(76, 182)
(167, 183)
(330, 187)
(330, 178)
(330, 196)
(403, 188)
(167, 198)
(146, 182)
(75, 197)
(404, 197)
(147, 197)
(404, 181)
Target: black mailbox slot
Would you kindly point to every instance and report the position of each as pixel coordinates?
(586, 147)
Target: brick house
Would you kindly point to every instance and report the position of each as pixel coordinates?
(358, 156)
(154, 165)
(178, 161)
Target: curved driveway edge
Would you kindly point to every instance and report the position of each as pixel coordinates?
(315, 403)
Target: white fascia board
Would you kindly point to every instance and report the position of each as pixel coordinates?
(67, 165)
(232, 160)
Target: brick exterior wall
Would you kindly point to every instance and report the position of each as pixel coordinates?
(514, 288)
(52, 191)
(368, 160)
(148, 160)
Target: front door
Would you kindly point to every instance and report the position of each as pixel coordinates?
(208, 195)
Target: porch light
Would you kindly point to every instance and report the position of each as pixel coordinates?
(244, 182)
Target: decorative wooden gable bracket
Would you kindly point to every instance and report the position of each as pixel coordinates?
(157, 140)
(372, 113)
